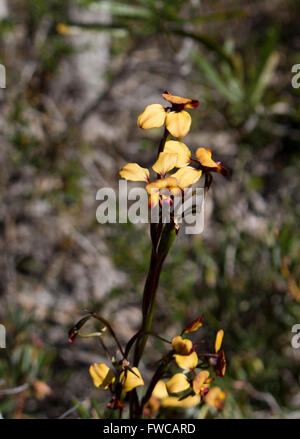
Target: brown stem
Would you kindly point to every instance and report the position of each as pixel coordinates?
(156, 377)
(162, 238)
(149, 296)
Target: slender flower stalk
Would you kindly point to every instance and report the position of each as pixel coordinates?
(157, 259)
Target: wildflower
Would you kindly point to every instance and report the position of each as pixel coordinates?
(215, 397)
(207, 164)
(178, 383)
(177, 120)
(131, 379)
(199, 383)
(187, 361)
(174, 183)
(182, 346)
(219, 363)
(160, 397)
(101, 375)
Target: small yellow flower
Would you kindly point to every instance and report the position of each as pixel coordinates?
(190, 401)
(182, 346)
(194, 325)
(215, 397)
(178, 383)
(101, 375)
(174, 183)
(187, 361)
(177, 120)
(199, 381)
(208, 165)
(131, 380)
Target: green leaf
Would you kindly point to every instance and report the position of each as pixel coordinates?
(264, 79)
(216, 80)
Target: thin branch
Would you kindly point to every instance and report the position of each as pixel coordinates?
(14, 390)
(71, 410)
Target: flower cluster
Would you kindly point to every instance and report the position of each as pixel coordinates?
(174, 155)
(183, 389)
(104, 378)
(189, 387)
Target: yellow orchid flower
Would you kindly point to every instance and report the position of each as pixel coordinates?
(199, 381)
(134, 172)
(208, 164)
(177, 120)
(190, 401)
(215, 397)
(182, 346)
(187, 361)
(101, 375)
(175, 183)
(178, 383)
(131, 380)
(164, 164)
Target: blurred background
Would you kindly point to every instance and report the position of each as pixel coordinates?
(78, 73)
